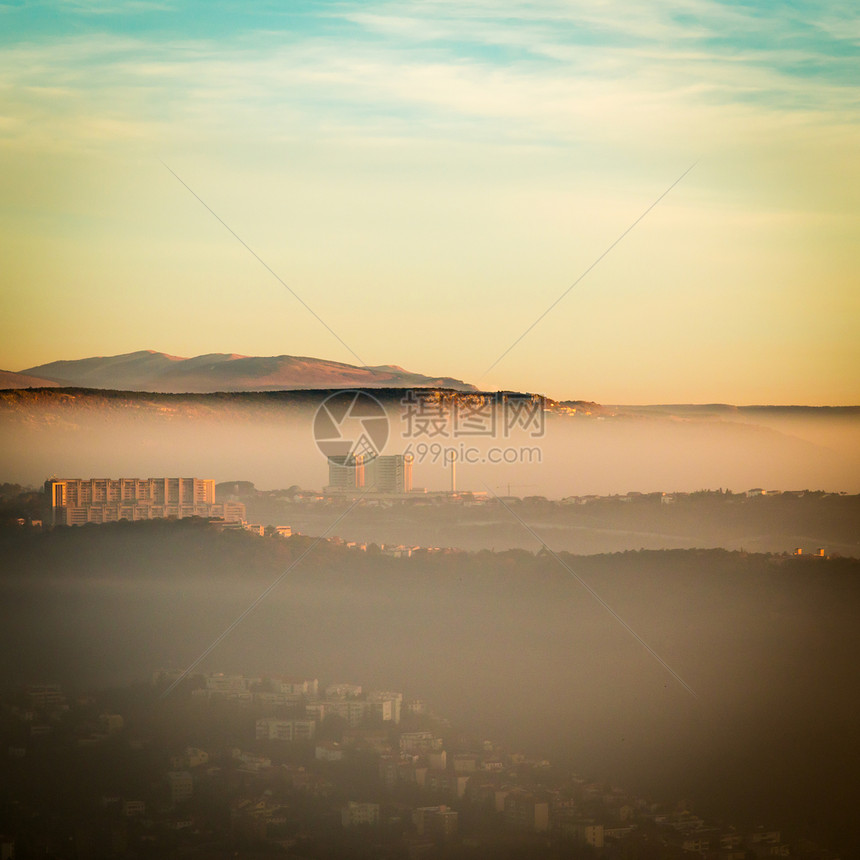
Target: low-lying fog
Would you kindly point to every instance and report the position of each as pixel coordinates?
(269, 441)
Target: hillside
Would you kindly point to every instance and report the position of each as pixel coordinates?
(9, 379)
(508, 641)
(771, 523)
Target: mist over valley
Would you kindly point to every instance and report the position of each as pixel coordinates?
(507, 643)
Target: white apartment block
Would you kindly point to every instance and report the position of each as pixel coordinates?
(221, 683)
(285, 730)
(353, 711)
(293, 687)
(418, 742)
(76, 501)
(342, 691)
(387, 704)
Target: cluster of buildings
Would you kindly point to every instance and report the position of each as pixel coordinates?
(416, 789)
(523, 795)
(348, 702)
(77, 501)
(245, 690)
(451, 774)
(255, 528)
(692, 834)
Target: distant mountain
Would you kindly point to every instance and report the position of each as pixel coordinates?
(155, 371)
(10, 379)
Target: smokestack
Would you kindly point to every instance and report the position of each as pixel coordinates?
(407, 473)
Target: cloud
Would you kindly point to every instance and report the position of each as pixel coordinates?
(658, 85)
(114, 7)
(321, 82)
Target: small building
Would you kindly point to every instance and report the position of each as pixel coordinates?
(438, 760)
(524, 812)
(196, 757)
(343, 691)
(45, 696)
(329, 751)
(465, 763)
(356, 814)
(110, 724)
(416, 742)
(435, 821)
(285, 730)
(181, 786)
(133, 808)
(585, 832)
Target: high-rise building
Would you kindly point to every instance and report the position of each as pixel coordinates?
(389, 473)
(346, 473)
(75, 501)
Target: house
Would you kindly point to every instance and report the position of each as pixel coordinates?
(524, 812)
(356, 814)
(181, 786)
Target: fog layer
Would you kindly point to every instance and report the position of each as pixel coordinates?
(267, 438)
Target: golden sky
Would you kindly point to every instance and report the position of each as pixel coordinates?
(429, 178)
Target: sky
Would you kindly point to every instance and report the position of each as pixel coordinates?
(423, 181)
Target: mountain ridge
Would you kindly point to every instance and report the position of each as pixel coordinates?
(158, 372)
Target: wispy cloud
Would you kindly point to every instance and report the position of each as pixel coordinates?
(112, 7)
(585, 93)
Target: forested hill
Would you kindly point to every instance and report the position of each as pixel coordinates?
(511, 641)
